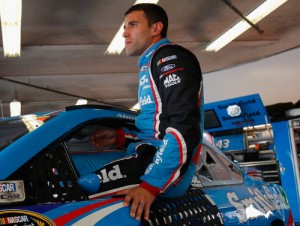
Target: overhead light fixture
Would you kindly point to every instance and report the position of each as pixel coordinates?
(10, 11)
(256, 15)
(15, 108)
(81, 102)
(117, 44)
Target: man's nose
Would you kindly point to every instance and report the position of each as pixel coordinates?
(125, 33)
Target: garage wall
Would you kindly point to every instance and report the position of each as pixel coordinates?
(276, 79)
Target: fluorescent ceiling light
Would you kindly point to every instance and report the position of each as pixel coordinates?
(81, 102)
(15, 108)
(117, 44)
(11, 11)
(256, 15)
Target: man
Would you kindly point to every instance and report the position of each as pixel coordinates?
(171, 119)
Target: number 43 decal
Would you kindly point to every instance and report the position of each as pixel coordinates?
(223, 143)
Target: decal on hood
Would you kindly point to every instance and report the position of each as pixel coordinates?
(24, 218)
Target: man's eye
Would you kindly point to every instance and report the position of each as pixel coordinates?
(133, 24)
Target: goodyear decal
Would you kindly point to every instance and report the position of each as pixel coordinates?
(11, 191)
(258, 204)
(24, 218)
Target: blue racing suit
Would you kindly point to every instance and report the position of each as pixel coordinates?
(170, 95)
(160, 156)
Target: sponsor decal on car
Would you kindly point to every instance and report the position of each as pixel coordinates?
(11, 191)
(196, 183)
(258, 204)
(234, 110)
(126, 116)
(24, 218)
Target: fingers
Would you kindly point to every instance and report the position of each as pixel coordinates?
(123, 192)
(137, 208)
(141, 201)
(139, 211)
(147, 211)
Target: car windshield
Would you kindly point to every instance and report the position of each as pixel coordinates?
(12, 129)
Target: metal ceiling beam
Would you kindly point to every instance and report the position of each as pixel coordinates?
(55, 91)
(227, 2)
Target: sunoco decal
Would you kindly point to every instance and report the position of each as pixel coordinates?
(24, 218)
(11, 191)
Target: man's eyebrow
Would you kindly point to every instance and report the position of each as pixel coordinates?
(132, 22)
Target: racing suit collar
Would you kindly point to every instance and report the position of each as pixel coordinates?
(148, 52)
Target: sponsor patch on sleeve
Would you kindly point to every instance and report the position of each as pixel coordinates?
(165, 59)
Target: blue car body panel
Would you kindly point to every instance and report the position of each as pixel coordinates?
(250, 202)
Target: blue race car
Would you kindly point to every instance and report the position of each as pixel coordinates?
(43, 155)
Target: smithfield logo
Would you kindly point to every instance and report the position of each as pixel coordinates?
(234, 110)
(261, 203)
(111, 175)
(171, 80)
(168, 67)
(145, 100)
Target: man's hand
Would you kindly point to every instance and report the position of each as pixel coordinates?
(102, 138)
(140, 200)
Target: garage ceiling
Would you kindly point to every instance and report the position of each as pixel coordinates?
(63, 45)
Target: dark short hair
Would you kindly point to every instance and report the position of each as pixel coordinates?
(154, 13)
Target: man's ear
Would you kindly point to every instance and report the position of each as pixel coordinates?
(157, 28)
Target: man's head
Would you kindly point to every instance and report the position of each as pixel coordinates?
(154, 13)
(144, 25)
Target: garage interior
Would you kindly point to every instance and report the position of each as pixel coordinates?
(64, 59)
(63, 46)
